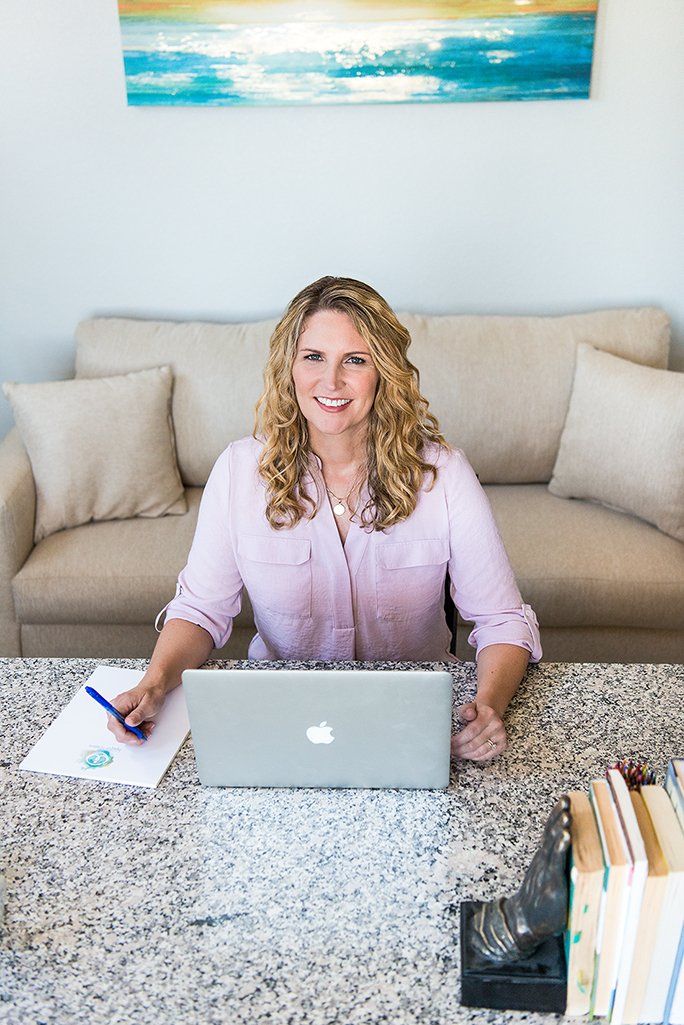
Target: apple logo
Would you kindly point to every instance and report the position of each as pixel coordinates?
(321, 734)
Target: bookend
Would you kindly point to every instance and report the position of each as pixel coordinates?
(535, 983)
(512, 949)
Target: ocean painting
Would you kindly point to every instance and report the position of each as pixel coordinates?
(280, 52)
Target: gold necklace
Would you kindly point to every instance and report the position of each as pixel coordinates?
(339, 508)
(341, 504)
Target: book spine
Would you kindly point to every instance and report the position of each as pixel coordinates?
(674, 1004)
(675, 791)
(598, 1002)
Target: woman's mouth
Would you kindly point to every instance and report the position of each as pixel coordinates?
(332, 405)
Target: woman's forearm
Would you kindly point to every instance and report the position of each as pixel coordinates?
(181, 645)
(500, 668)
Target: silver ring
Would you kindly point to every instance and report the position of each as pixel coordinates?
(492, 744)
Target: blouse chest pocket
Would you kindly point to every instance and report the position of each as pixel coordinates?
(410, 578)
(277, 574)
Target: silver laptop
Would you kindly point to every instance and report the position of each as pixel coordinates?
(320, 728)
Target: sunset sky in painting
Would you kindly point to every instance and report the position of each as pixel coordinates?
(218, 11)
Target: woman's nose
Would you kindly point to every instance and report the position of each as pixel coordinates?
(333, 376)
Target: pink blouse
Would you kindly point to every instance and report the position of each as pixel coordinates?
(378, 597)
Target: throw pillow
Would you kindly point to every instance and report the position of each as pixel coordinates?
(623, 440)
(100, 449)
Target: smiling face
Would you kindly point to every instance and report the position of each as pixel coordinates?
(334, 377)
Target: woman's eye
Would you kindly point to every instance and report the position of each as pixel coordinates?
(357, 360)
(313, 356)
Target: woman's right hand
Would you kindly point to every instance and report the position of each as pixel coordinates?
(181, 645)
(139, 706)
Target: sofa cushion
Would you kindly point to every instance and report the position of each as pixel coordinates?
(500, 386)
(577, 564)
(523, 366)
(100, 449)
(608, 644)
(623, 440)
(581, 564)
(217, 376)
(108, 573)
(112, 640)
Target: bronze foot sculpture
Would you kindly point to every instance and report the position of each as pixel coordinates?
(512, 954)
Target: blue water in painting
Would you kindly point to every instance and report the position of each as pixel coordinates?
(529, 57)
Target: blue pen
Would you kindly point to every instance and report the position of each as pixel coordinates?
(91, 692)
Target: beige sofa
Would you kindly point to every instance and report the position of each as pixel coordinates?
(607, 585)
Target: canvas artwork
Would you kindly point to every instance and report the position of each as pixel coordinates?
(266, 52)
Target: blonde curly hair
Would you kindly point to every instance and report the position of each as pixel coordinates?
(399, 423)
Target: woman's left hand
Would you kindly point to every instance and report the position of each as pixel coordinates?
(483, 736)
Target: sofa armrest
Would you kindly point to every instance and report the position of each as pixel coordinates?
(17, 514)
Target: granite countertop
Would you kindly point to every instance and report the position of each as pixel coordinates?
(186, 904)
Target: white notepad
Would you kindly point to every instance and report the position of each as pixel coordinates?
(79, 744)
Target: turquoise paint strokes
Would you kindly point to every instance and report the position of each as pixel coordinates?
(531, 57)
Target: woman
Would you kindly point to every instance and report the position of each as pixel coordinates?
(341, 517)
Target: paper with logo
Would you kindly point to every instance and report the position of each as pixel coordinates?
(79, 744)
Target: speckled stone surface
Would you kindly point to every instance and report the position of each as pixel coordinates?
(185, 904)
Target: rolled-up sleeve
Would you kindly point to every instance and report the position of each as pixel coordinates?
(483, 586)
(515, 626)
(209, 589)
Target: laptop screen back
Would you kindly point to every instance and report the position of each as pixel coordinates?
(320, 728)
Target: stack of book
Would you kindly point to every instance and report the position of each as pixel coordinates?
(625, 937)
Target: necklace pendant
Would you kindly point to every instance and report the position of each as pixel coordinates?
(339, 509)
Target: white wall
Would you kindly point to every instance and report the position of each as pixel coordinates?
(225, 213)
